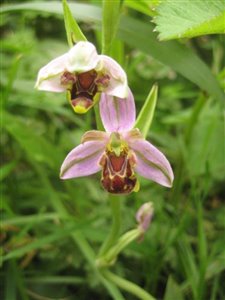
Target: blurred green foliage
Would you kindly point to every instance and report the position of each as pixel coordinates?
(182, 255)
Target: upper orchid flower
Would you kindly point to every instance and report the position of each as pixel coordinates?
(83, 73)
(120, 152)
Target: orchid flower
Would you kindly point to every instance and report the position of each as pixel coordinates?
(83, 73)
(120, 153)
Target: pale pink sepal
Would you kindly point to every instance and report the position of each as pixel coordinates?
(117, 114)
(83, 160)
(118, 79)
(151, 163)
(49, 76)
(95, 135)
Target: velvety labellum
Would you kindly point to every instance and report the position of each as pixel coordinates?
(84, 89)
(117, 172)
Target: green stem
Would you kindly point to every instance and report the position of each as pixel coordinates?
(127, 286)
(98, 118)
(90, 257)
(122, 243)
(77, 237)
(115, 229)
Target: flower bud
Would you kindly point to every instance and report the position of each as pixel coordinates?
(144, 216)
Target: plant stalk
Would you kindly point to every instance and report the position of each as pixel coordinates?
(127, 286)
(115, 229)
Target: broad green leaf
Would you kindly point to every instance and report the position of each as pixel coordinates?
(73, 31)
(190, 18)
(146, 114)
(140, 35)
(110, 20)
(173, 290)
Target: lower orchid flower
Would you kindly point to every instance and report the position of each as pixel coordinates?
(119, 153)
(83, 73)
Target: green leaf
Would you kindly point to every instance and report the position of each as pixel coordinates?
(205, 151)
(188, 263)
(144, 119)
(139, 35)
(173, 54)
(39, 243)
(110, 12)
(190, 19)
(30, 219)
(73, 31)
(82, 12)
(173, 290)
(56, 280)
(146, 7)
(15, 288)
(36, 146)
(6, 169)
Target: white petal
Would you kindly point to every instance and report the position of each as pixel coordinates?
(82, 57)
(118, 79)
(49, 76)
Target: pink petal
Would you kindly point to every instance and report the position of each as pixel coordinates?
(49, 76)
(117, 114)
(151, 163)
(83, 160)
(118, 79)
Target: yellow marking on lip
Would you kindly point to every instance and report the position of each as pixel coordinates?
(80, 109)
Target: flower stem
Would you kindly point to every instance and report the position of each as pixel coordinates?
(115, 229)
(90, 257)
(98, 118)
(127, 286)
(110, 256)
(77, 237)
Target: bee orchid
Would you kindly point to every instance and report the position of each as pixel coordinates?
(83, 74)
(119, 153)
